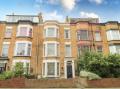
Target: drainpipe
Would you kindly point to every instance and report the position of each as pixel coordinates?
(93, 40)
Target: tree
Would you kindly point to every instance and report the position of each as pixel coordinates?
(104, 66)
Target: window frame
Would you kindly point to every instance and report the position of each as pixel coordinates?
(99, 50)
(79, 32)
(69, 33)
(110, 36)
(96, 38)
(28, 28)
(26, 48)
(10, 28)
(70, 55)
(56, 48)
(56, 68)
(113, 49)
(5, 43)
(56, 31)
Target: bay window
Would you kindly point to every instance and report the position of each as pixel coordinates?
(23, 48)
(51, 49)
(51, 31)
(114, 49)
(24, 31)
(113, 35)
(83, 35)
(51, 68)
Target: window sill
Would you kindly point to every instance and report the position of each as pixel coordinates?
(51, 37)
(51, 56)
(114, 40)
(67, 38)
(7, 37)
(98, 41)
(21, 56)
(83, 40)
(23, 37)
(68, 56)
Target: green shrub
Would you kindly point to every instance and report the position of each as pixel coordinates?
(2, 77)
(104, 66)
(6, 75)
(18, 69)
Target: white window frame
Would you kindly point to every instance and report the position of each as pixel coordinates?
(55, 68)
(26, 46)
(113, 49)
(69, 33)
(56, 31)
(68, 43)
(110, 35)
(2, 48)
(28, 29)
(96, 38)
(8, 27)
(46, 46)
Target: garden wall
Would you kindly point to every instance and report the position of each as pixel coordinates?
(51, 83)
(12, 83)
(104, 83)
(61, 83)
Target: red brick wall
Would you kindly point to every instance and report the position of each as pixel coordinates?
(51, 83)
(13, 83)
(61, 83)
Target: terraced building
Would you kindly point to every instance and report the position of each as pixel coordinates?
(50, 48)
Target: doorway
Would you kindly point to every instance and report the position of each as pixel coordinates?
(2, 67)
(69, 70)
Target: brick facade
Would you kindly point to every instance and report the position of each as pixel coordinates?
(38, 40)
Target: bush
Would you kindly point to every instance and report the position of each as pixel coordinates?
(6, 75)
(18, 69)
(89, 75)
(2, 77)
(104, 66)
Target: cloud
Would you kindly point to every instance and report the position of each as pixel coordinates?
(88, 15)
(68, 4)
(97, 1)
(53, 16)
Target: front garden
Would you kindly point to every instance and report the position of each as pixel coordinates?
(18, 71)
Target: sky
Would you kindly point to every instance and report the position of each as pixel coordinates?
(105, 10)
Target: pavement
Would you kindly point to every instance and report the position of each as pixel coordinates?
(59, 88)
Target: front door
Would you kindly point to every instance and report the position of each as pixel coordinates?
(69, 70)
